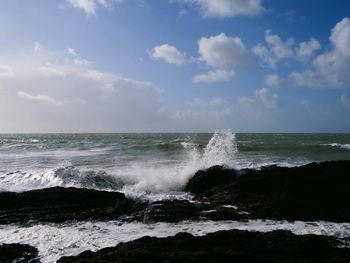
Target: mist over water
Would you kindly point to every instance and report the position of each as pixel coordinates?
(151, 166)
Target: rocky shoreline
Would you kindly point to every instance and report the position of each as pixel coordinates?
(222, 246)
(317, 191)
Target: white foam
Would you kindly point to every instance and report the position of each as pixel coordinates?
(145, 178)
(339, 145)
(56, 240)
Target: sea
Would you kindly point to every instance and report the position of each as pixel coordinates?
(151, 167)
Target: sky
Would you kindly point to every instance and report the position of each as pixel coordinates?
(174, 66)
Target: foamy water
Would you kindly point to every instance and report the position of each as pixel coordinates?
(151, 166)
(145, 178)
(56, 240)
(148, 166)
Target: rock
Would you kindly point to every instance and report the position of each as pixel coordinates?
(62, 204)
(317, 191)
(205, 180)
(18, 253)
(169, 211)
(222, 246)
(180, 210)
(223, 213)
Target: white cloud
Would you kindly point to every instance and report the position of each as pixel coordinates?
(269, 100)
(246, 102)
(227, 8)
(37, 47)
(345, 101)
(331, 68)
(182, 12)
(76, 58)
(168, 53)
(90, 6)
(5, 70)
(275, 49)
(307, 49)
(213, 102)
(272, 80)
(43, 98)
(222, 51)
(71, 51)
(51, 93)
(217, 102)
(50, 70)
(340, 37)
(214, 76)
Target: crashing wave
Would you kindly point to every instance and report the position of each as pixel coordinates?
(139, 178)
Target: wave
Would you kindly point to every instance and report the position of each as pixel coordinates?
(151, 179)
(338, 145)
(56, 240)
(69, 176)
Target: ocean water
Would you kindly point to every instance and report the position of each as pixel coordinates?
(150, 166)
(147, 166)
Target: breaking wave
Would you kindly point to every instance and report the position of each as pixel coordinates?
(142, 178)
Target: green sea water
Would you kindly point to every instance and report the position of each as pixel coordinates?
(150, 164)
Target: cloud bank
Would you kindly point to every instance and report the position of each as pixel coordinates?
(46, 91)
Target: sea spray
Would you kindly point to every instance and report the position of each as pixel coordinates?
(150, 165)
(220, 150)
(143, 177)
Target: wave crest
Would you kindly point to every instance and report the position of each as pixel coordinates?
(144, 178)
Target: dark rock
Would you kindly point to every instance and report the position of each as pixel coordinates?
(222, 213)
(66, 204)
(62, 204)
(179, 210)
(169, 211)
(317, 191)
(223, 246)
(20, 253)
(215, 176)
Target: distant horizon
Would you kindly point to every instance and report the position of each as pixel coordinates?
(83, 133)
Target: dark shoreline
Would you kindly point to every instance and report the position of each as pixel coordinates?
(316, 191)
(222, 246)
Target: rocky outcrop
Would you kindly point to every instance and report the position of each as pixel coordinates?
(205, 180)
(19, 253)
(317, 191)
(222, 246)
(62, 204)
(66, 204)
(179, 210)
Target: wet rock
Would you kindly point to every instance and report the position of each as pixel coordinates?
(180, 210)
(205, 180)
(224, 213)
(317, 191)
(19, 253)
(169, 211)
(62, 204)
(222, 246)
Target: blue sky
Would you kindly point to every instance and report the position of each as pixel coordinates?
(173, 66)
